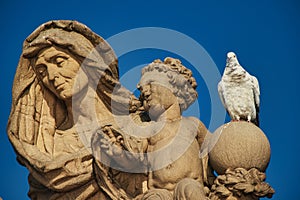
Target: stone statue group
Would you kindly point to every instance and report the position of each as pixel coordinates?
(82, 135)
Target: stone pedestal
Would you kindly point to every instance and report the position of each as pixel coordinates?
(240, 156)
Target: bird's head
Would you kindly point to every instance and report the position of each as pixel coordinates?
(231, 60)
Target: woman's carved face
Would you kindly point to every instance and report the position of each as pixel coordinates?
(60, 73)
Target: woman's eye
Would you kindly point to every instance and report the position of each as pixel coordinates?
(41, 70)
(60, 60)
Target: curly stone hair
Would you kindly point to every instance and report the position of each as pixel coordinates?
(181, 78)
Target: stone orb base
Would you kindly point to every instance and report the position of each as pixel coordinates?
(239, 145)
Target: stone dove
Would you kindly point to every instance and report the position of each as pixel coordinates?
(239, 91)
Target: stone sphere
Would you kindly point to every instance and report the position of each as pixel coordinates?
(239, 144)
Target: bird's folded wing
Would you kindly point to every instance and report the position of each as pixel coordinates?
(221, 92)
(256, 92)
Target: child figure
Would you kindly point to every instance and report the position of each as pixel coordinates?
(167, 89)
(175, 170)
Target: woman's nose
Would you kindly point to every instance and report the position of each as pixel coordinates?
(52, 71)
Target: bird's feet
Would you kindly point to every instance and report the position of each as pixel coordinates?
(249, 119)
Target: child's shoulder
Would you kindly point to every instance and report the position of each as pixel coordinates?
(190, 123)
(192, 119)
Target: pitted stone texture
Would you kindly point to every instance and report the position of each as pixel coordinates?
(240, 144)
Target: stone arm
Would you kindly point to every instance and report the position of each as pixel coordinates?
(203, 136)
(124, 151)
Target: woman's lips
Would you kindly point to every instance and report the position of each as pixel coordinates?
(60, 86)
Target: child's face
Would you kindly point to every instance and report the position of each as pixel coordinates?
(157, 98)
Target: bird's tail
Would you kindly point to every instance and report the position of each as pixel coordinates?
(256, 120)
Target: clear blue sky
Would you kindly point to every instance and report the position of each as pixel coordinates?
(264, 34)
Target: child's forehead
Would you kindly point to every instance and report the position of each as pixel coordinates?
(160, 78)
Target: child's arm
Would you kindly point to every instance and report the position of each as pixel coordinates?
(203, 136)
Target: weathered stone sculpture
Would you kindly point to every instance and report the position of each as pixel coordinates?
(82, 135)
(41, 124)
(167, 88)
(240, 157)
